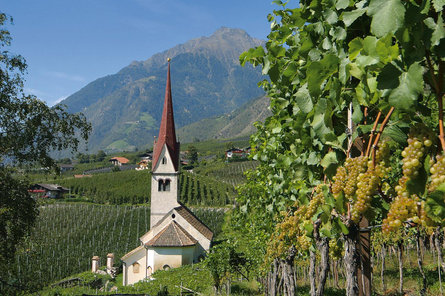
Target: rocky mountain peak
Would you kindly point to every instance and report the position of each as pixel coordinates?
(124, 108)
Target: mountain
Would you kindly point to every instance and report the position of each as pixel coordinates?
(207, 80)
(231, 125)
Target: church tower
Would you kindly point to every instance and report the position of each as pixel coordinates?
(176, 236)
(165, 166)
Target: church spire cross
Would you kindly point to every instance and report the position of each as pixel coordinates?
(167, 133)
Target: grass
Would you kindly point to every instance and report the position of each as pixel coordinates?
(197, 278)
(194, 277)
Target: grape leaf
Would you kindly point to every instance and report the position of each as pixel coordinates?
(303, 99)
(435, 205)
(388, 77)
(410, 86)
(438, 29)
(387, 16)
(438, 5)
(348, 17)
(341, 4)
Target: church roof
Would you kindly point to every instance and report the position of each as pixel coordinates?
(167, 134)
(173, 235)
(132, 252)
(190, 218)
(194, 221)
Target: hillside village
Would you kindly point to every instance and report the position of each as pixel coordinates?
(180, 229)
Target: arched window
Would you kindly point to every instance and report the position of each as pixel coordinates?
(166, 267)
(164, 160)
(167, 185)
(149, 271)
(135, 267)
(164, 185)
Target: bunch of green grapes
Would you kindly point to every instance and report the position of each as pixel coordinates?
(369, 182)
(367, 186)
(402, 208)
(383, 150)
(382, 167)
(424, 219)
(285, 231)
(437, 172)
(418, 141)
(339, 181)
(354, 167)
(345, 180)
(315, 202)
(303, 243)
(335, 249)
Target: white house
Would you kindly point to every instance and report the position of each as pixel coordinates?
(176, 236)
(119, 161)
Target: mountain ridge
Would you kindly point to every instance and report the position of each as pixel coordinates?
(238, 123)
(207, 80)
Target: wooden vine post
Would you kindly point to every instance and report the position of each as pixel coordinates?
(441, 131)
(365, 269)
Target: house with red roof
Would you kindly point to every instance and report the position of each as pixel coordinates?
(119, 161)
(47, 190)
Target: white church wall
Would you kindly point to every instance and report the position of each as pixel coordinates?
(188, 255)
(168, 256)
(150, 259)
(135, 265)
(163, 201)
(166, 167)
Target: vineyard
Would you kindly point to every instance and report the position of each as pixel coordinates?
(230, 173)
(352, 159)
(133, 187)
(67, 236)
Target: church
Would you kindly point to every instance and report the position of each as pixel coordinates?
(176, 236)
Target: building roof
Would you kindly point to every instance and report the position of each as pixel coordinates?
(52, 187)
(235, 150)
(167, 133)
(194, 221)
(120, 159)
(190, 218)
(132, 252)
(173, 235)
(67, 166)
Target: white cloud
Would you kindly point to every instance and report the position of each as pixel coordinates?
(66, 76)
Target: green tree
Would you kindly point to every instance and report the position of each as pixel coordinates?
(83, 158)
(192, 155)
(100, 156)
(29, 131)
(224, 262)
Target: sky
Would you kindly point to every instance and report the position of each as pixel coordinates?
(68, 44)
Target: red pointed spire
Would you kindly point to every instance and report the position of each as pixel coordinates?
(167, 133)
